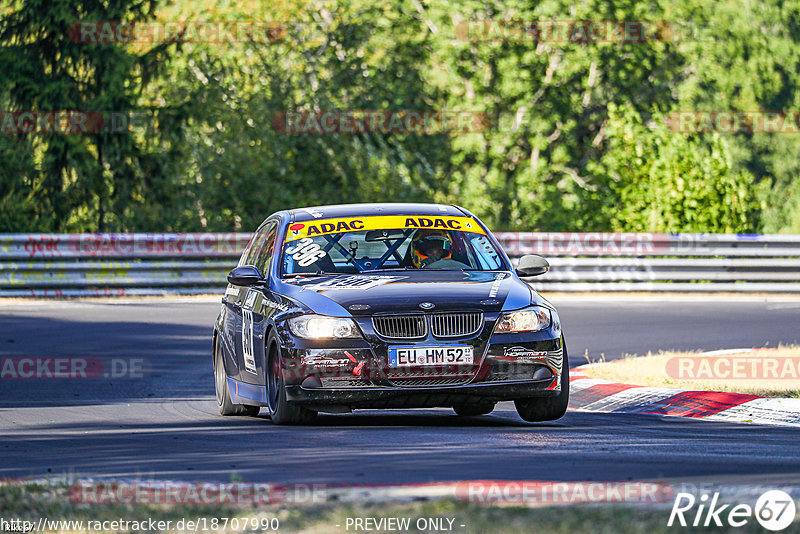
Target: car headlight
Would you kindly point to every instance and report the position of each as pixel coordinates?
(321, 327)
(530, 319)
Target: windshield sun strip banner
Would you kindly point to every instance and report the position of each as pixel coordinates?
(300, 230)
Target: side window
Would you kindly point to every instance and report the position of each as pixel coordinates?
(246, 251)
(251, 252)
(485, 253)
(263, 259)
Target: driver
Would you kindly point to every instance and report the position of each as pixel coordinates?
(428, 246)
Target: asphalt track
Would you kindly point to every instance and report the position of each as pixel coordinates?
(165, 425)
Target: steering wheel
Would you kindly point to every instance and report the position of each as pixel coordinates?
(446, 263)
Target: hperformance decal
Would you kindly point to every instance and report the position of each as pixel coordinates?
(353, 282)
(522, 353)
(268, 304)
(300, 230)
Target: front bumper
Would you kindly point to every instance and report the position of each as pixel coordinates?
(356, 373)
(522, 369)
(425, 397)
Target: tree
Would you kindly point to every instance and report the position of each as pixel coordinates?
(659, 181)
(79, 181)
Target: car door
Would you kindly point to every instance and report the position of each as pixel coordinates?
(256, 309)
(236, 297)
(230, 335)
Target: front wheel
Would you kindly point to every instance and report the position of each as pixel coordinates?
(547, 408)
(281, 410)
(224, 402)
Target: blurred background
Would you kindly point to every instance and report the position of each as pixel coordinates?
(580, 137)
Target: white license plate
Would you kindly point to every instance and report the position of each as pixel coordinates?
(446, 355)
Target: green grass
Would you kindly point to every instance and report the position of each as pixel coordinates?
(32, 501)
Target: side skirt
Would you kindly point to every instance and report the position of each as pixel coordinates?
(243, 393)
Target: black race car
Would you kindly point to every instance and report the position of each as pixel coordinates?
(335, 308)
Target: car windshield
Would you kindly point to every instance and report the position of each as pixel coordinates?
(365, 244)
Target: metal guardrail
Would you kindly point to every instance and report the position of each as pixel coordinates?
(69, 265)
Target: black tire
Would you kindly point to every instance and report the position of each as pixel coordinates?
(472, 410)
(281, 411)
(547, 408)
(224, 403)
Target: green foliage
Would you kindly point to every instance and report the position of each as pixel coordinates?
(658, 181)
(567, 149)
(77, 181)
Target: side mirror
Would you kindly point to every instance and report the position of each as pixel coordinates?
(245, 275)
(532, 265)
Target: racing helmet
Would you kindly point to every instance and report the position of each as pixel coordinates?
(428, 246)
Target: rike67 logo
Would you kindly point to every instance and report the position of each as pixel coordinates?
(774, 510)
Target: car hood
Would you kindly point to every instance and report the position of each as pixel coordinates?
(398, 291)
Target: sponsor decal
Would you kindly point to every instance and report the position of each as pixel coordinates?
(496, 285)
(247, 341)
(250, 301)
(381, 222)
(353, 282)
(521, 353)
(232, 291)
(268, 303)
(306, 252)
(314, 213)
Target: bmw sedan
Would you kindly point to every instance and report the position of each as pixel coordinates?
(365, 306)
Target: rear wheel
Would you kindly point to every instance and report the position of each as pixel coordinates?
(471, 410)
(224, 402)
(281, 411)
(547, 408)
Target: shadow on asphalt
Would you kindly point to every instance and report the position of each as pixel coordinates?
(170, 354)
